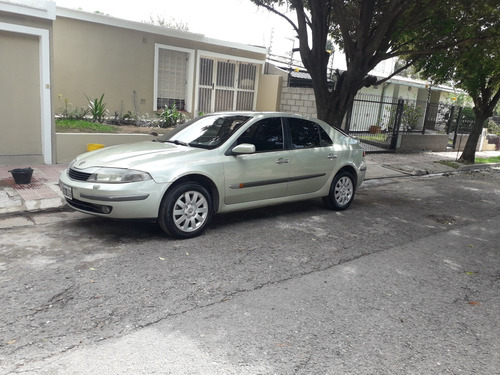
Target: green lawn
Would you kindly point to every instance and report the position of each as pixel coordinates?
(454, 164)
(380, 137)
(493, 159)
(67, 125)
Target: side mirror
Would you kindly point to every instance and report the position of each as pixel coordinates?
(244, 148)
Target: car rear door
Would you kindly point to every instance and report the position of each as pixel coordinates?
(313, 156)
(263, 174)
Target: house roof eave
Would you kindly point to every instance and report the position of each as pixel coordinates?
(40, 9)
(145, 27)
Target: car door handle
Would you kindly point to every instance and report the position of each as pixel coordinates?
(332, 156)
(282, 161)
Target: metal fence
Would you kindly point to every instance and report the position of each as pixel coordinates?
(378, 121)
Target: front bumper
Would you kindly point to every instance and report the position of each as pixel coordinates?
(134, 200)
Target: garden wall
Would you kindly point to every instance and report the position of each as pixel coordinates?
(70, 145)
(439, 142)
(482, 144)
(422, 142)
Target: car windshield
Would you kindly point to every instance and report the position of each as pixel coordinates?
(208, 131)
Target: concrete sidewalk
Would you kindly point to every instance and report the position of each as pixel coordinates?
(43, 192)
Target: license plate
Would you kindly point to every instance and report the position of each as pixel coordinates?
(67, 191)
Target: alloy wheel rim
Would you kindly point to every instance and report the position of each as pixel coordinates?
(190, 211)
(343, 191)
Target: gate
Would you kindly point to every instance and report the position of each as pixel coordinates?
(461, 121)
(375, 122)
(226, 85)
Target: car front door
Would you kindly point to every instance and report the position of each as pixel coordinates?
(260, 175)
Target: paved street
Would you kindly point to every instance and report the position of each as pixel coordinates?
(404, 282)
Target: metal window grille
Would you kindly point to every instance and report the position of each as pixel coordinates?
(246, 86)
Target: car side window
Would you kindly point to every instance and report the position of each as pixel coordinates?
(307, 134)
(325, 139)
(266, 135)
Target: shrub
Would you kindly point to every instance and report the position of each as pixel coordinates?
(494, 139)
(170, 116)
(97, 108)
(493, 127)
(410, 117)
(68, 111)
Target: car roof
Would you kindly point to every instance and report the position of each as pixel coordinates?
(260, 114)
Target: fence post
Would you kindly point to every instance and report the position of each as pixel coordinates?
(450, 119)
(427, 108)
(348, 118)
(459, 117)
(397, 124)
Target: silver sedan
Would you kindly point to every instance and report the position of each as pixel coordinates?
(217, 163)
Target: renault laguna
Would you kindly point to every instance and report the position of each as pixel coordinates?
(217, 163)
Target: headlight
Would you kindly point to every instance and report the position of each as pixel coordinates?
(117, 176)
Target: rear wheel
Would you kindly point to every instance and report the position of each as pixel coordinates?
(186, 210)
(341, 192)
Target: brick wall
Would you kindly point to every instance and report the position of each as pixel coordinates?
(298, 100)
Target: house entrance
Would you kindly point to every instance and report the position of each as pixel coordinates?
(226, 85)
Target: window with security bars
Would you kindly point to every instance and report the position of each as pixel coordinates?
(246, 86)
(226, 85)
(172, 79)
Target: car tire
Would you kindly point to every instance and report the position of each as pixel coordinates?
(341, 192)
(186, 210)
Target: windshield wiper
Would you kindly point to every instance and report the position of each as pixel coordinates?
(177, 142)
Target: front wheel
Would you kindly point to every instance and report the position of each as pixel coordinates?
(341, 192)
(185, 211)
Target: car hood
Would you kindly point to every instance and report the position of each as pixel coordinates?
(142, 155)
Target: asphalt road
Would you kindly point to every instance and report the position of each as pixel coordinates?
(404, 282)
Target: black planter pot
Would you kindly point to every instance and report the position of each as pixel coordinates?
(22, 175)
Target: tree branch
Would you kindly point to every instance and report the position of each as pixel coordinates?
(442, 47)
(396, 72)
(271, 9)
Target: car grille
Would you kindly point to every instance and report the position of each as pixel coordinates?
(85, 206)
(79, 176)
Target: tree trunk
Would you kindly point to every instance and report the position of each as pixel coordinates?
(469, 154)
(333, 106)
(334, 111)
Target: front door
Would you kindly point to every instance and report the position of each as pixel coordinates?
(226, 85)
(264, 174)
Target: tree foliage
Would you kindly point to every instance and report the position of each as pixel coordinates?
(368, 32)
(171, 23)
(473, 67)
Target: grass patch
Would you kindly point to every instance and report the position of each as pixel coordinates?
(456, 165)
(452, 164)
(373, 137)
(82, 126)
(493, 159)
